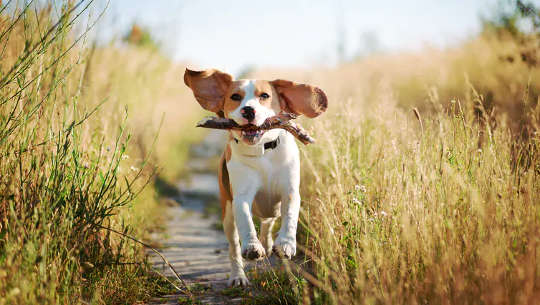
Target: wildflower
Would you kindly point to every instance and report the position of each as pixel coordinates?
(361, 188)
(124, 157)
(133, 168)
(384, 214)
(356, 201)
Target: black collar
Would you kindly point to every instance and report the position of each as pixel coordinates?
(267, 145)
(271, 144)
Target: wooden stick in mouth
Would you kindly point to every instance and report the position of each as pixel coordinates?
(282, 120)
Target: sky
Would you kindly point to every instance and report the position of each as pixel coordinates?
(236, 34)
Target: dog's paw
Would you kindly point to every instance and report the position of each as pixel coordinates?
(239, 280)
(253, 250)
(284, 247)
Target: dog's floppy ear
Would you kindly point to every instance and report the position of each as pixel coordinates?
(209, 87)
(300, 98)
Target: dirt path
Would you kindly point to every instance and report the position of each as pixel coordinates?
(193, 245)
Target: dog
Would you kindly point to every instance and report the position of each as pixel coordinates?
(259, 171)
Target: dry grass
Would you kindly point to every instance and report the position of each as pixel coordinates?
(152, 89)
(434, 206)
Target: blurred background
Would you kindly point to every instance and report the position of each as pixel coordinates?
(244, 35)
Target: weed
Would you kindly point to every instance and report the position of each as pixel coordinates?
(234, 292)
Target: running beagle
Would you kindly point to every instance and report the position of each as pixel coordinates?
(259, 171)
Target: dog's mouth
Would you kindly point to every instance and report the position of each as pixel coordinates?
(250, 134)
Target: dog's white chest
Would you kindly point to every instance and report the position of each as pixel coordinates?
(273, 175)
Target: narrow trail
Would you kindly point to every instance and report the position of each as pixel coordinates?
(193, 244)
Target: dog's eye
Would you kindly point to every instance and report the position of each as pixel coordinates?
(236, 97)
(264, 95)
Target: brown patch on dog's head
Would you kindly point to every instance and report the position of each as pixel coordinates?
(230, 104)
(264, 87)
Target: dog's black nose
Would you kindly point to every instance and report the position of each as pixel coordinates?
(248, 113)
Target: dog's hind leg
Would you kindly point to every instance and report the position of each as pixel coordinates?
(265, 236)
(238, 276)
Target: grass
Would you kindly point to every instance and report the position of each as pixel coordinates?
(423, 185)
(78, 153)
(276, 286)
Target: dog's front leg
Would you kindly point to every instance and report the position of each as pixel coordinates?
(251, 246)
(245, 183)
(238, 276)
(285, 244)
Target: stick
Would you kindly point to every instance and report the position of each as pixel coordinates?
(282, 120)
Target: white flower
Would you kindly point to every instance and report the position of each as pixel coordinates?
(361, 188)
(133, 168)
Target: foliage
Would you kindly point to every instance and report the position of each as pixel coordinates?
(141, 37)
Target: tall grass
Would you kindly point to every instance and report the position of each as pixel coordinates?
(72, 160)
(435, 205)
(416, 216)
(151, 88)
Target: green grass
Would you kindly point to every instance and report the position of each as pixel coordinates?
(275, 286)
(71, 165)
